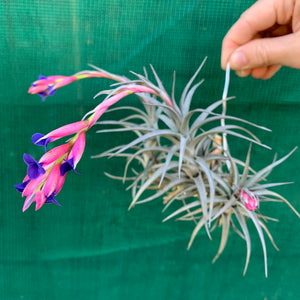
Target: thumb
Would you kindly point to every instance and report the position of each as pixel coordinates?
(284, 50)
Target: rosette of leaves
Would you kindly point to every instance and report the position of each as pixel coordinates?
(181, 155)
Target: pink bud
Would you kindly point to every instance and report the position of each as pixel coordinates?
(44, 83)
(64, 81)
(78, 148)
(49, 80)
(52, 180)
(39, 199)
(102, 107)
(37, 89)
(60, 183)
(66, 130)
(55, 154)
(143, 89)
(33, 185)
(28, 202)
(249, 199)
(135, 88)
(102, 74)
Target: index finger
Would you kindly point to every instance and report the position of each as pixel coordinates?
(260, 16)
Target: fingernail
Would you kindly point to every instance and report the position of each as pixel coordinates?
(242, 73)
(238, 60)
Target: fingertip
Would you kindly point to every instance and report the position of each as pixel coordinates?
(265, 72)
(228, 47)
(238, 60)
(258, 73)
(223, 61)
(243, 73)
(272, 70)
(223, 66)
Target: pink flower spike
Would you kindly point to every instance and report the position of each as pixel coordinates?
(46, 86)
(66, 130)
(139, 89)
(83, 75)
(249, 199)
(43, 80)
(33, 185)
(55, 154)
(28, 201)
(102, 107)
(37, 89)
(99, 74)
(39, 199)
(43, 83)
(75, 154)
(65, 81)
(60, 183)
(143, 89)
(78, 148)
(52, 180)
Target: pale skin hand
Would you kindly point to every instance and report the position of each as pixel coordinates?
(265, 37)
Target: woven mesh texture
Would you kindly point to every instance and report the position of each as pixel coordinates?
(92, 247)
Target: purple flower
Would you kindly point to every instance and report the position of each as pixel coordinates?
(42, 189)
(37, 140)
(44, 86)
(21, 186)
(46, 177)
(67, 166)
(75, 154)
(34, 169)
(51, 199)
(76, 127)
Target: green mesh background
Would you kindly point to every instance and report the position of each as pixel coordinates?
(92, 247)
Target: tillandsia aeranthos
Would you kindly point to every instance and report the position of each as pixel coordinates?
(180, 155)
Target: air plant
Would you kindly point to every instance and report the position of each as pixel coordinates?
(180, 155)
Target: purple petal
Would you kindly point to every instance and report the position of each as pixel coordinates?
(41, 169)
(67, 166)
(34, 168)
(36, 137)
(21, 186)
(28, 159)
(28, 201)
(43, 95)
(51, 199)
(44, 142)
(51, 90)
(42, 77)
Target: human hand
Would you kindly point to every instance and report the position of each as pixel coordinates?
(265, 37)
